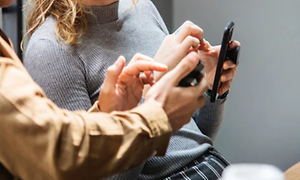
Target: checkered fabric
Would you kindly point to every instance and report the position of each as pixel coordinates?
(209, 166)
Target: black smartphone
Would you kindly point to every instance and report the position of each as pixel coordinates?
(223, 56)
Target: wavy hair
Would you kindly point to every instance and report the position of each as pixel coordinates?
(70, 16)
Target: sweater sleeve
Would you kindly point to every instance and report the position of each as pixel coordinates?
(158, 18)
(209, 117)
(60, 73)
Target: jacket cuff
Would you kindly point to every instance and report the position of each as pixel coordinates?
(158, 123)
(94, 108)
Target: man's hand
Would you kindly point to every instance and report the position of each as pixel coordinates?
(122, 88)
(209, 56)
(179, 103)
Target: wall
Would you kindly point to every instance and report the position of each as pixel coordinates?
(1, 17)
(165, 8)
(262, 118)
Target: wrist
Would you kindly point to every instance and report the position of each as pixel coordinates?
(95, 107)
(158, 75)
(223, 96)
(153, 101)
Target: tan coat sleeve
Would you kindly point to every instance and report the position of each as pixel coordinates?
(41, 141)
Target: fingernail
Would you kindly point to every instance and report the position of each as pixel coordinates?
(165, 67)
(225, 66)
(119, 61)
(195, 26)
(223, 78)
(233, 44)
(161, 65)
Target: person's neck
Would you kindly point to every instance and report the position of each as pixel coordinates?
(103, 13)
(100, 2)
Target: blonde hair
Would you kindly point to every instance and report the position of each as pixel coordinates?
(70, 16)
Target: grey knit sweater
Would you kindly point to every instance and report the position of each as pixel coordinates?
(72, 75)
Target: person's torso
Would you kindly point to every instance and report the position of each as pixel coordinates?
(136, 31)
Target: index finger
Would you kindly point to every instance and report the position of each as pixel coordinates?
(234, 44)
(229, 65)
(141, 66)
(138, 57)
(190, 29)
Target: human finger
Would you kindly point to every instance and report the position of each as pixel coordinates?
(224, 87)
(147, 78)
(228, 65)
(190, 42)
(188, 28)
(233, 44)
(139, 56)
(201, 87)
(112, 74)
(228, 74)
(185, 66)
(141, 66)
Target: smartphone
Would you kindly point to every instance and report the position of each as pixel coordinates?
(222, 58)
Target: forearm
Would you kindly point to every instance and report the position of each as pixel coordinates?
(209, 117)
(64, 144)
(131, 139)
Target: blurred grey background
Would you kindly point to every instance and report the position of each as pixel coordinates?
(262, 116)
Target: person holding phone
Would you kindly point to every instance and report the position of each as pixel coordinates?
(77, 40)
(41, 141)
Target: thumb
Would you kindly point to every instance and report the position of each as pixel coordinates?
(185, 66)
(204, 45)
(113, 73)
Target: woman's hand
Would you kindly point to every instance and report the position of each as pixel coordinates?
(177, 45)
(123, 86)
(209, 56)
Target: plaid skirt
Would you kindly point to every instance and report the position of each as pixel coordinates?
(208, 166)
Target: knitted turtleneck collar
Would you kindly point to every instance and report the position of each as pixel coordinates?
(104, 14)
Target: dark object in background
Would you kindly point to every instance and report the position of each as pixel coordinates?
(4, 174)
(12, 24)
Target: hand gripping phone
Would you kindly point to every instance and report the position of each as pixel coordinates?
(225, 54)
(192, 77)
